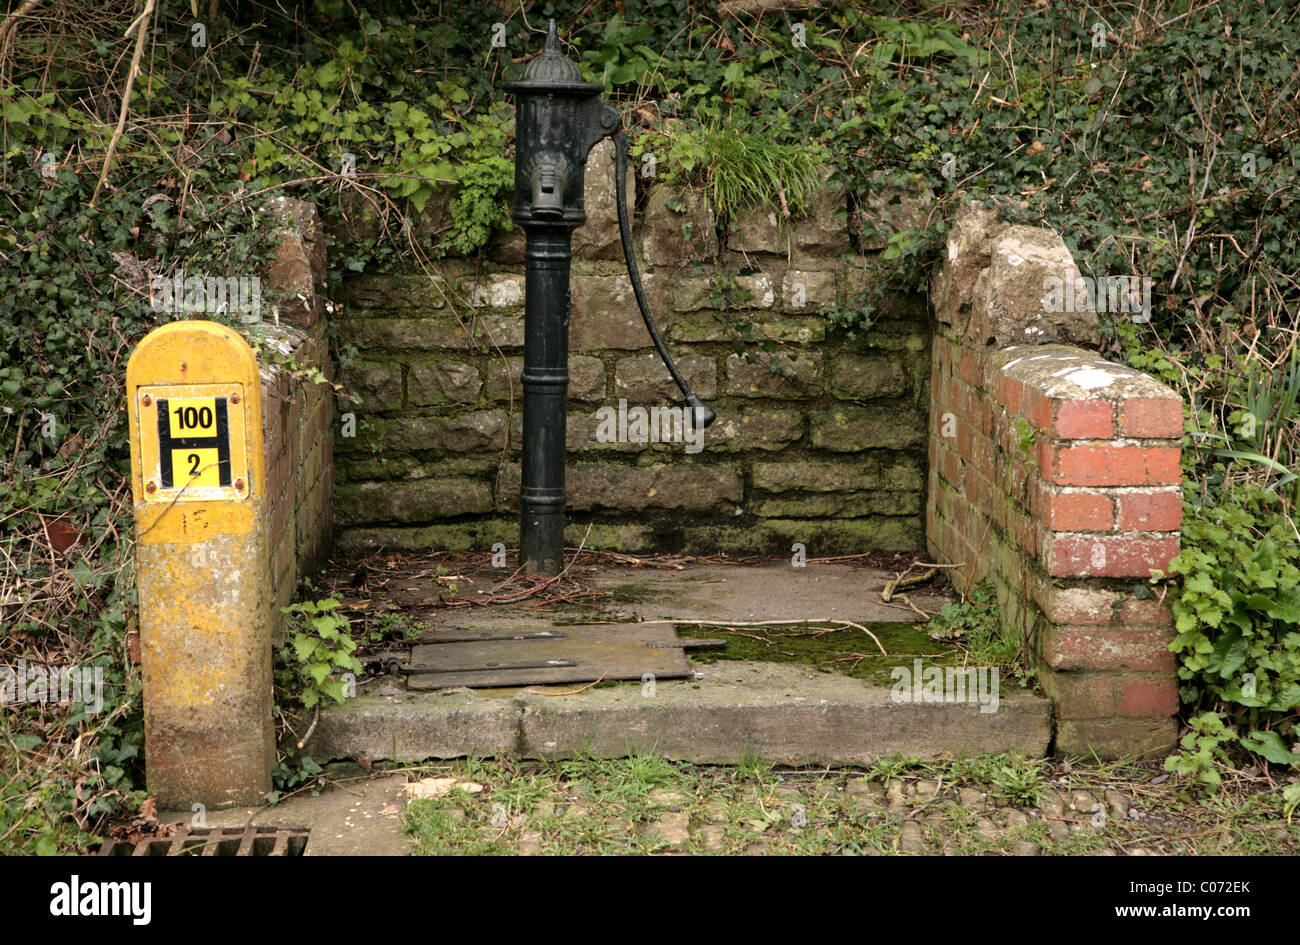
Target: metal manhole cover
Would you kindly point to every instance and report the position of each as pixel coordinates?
(216, 841)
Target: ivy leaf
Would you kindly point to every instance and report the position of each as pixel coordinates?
(26, 742)
(1269, 745)
(1286, 609)
(20, 111)
(1288, 699)
(1230, 652)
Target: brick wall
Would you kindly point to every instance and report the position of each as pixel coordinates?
(297, 407)
(820, 438)
(1056, 475)
(299, 452)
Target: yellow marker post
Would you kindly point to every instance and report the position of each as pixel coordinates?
(202, 564)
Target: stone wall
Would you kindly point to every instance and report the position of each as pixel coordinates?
(297, 402)
(1055, 474)
(819, 438)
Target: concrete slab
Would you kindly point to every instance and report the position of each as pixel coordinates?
(363, 818)
(790, 714)
(770, 591)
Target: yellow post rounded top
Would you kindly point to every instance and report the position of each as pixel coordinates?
(193, 352)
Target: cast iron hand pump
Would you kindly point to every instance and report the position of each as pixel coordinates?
(559, 118)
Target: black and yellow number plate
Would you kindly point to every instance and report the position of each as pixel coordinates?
(192, 442)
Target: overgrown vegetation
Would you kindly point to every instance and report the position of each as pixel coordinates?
(974, 624)
(318, 654)
(744, 169)
(1161, 141)
(976, 805)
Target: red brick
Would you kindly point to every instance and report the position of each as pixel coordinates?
(1075, 511)
(1150, 511)
(1099, 648)
(1035, 408)
(280, 508)
(1009, 392)
(1017, 475)
(975, 491)
(942, 350)
(950, 466)
(1084, 419)
(1152, 417)
(1109, 555)
(982, 455)
(949, 502)
(1116, 738)
(968, 367)
(1142, 613)
(273, 438)
(1075, 605)
(952, 541)
(1148, 697)
(1039, 540)
(963, 437)
(1024, 533)
(998, 512)
(1092, 464)
(1005, 436)
(1080, 695)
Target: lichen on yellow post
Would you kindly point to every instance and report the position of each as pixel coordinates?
(194, 400)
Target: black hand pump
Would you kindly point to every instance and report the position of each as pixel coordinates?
(558, 120)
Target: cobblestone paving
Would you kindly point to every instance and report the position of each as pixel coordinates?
(648, 805)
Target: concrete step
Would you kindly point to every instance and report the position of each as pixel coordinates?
(790, 714)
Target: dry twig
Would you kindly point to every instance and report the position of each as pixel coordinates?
(142, 29)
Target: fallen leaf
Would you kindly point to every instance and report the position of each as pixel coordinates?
(440, 787)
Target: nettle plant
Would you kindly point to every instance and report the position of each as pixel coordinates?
(319, 653)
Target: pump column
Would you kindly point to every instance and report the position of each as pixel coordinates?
(558, 118)
(546, 388)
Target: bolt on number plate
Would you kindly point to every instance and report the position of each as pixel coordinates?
(192, 442)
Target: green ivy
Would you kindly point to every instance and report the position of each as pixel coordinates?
(1237, 620)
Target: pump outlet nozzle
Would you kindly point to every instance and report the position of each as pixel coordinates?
(704, 414)
(548, 190)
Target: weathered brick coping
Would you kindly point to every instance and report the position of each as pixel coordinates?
(1108, 493)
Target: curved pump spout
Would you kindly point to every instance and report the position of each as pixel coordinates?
(704, 414)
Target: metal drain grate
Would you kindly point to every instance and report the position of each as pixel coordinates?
(216, 841)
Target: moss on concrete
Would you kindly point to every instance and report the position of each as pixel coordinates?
(848, 651)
